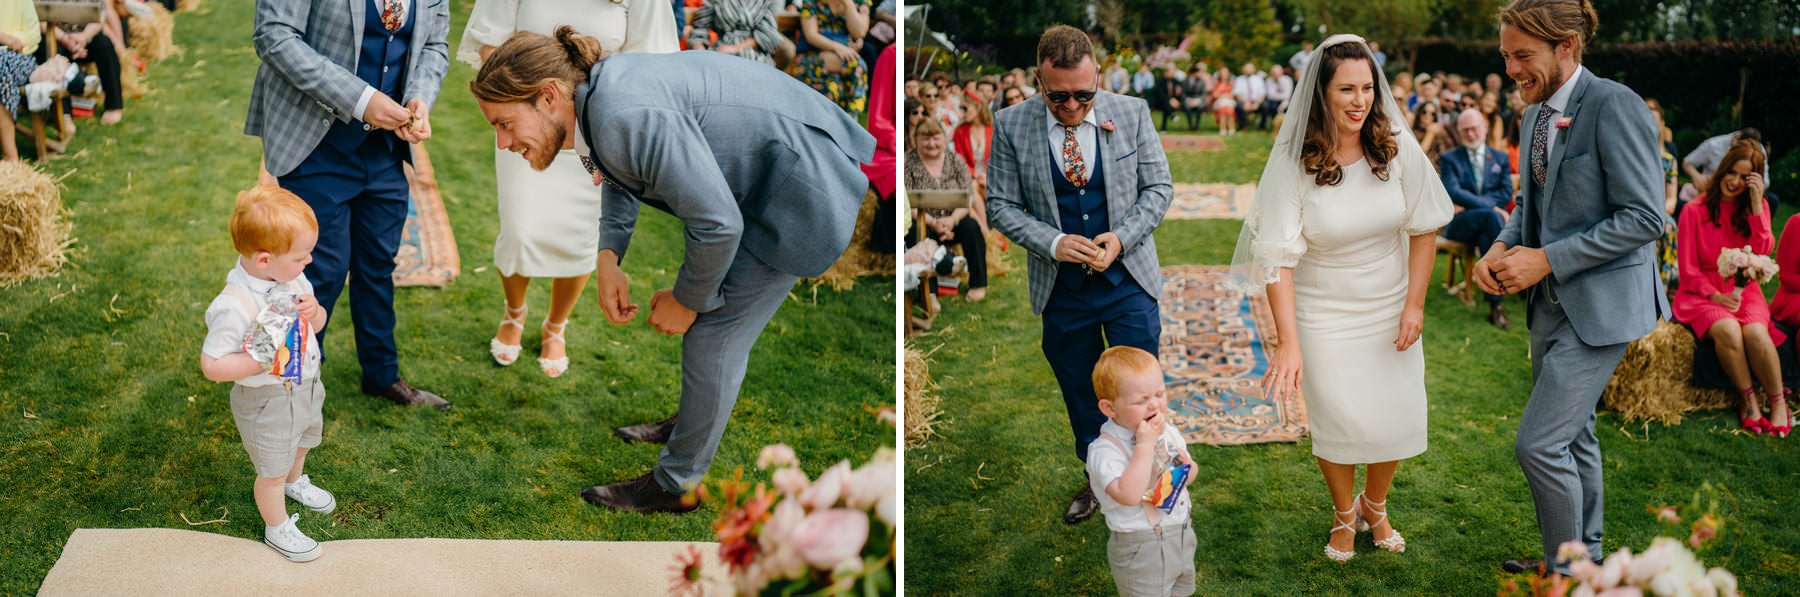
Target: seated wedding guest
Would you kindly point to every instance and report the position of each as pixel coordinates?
(929, 167)
(1167, 97)
(1784, 307)
(1733, 213)
(1010, 96)
(1224, 103)
(20, 35)
(1136, 467)
(1477, 178)
(1666, 147)
(746, 29)
(915, 112)
(1193, 94)
(86, 43)
(974, 140)
(1429, 130)
(1709, 154)
(833, 30)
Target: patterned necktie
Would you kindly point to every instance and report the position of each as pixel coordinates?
(1476, 161)
(1074, 168)
(1540, 144)
(390, 14)
(593, 170)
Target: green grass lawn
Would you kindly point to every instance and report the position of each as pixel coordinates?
(106, 422)
(985, 496)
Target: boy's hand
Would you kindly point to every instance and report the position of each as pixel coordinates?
(308, 307)
(1150, 429)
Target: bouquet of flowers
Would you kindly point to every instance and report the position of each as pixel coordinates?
(828, 536)
(1741, 266)
(1667, 567)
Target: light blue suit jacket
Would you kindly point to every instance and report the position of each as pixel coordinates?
(308, 74)
(743, 154)
(1598, 214)
(1021, 199)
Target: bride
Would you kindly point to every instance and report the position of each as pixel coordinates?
(1342, 238)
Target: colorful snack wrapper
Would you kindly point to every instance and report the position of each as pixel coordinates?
(278, 339)
(1166, 491)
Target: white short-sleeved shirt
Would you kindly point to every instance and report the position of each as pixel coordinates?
(227, 325)
(1106, 463)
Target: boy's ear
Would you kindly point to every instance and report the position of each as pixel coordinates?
(262, 258)
(1106, 408)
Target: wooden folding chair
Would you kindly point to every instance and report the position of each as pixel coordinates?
(922, 200)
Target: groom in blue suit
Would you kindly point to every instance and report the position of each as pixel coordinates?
(1479, 179)
(1581, 248)
(328, 104)
(1081, 182)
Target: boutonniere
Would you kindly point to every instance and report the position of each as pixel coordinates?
(1107, 125)
(1564, 122)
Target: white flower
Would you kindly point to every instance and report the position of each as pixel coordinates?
(1724, 581)
(1649, 564)
(790, 481)
(824, 492)
(1613, 570)
(1667, 583)
(869, 484)
(888, 509)
(776, 455)
(1582, 590)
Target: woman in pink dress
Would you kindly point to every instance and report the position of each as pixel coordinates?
(1733, 214)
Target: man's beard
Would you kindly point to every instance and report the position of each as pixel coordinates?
(541, 157)
(1548, 86)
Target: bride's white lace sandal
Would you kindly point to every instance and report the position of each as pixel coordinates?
(505, 354)
(554, 367)
(1349, 525)
(1394, 543)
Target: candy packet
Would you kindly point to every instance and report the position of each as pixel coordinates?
(278, 339)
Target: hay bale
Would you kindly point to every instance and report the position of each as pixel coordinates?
(33, 229)
(858, 260)
(1655, 379)
(186, 5)
(153, 37)
(131, 84)
(921, 404)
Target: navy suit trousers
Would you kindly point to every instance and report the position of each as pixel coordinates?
(1081, 324)
(360, 200)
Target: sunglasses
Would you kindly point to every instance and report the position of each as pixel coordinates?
(1057, 97)
(930, 96)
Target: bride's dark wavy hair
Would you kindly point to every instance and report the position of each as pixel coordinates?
(1318, 152)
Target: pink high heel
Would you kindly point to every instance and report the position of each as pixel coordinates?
(1758, 424)
(1781, 401)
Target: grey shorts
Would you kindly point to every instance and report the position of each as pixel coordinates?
(1149, 564)
(276, 421)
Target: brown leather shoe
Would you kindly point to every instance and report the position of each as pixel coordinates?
(649, 433)
(642, 494)
(1523, 565)
(1084, 506)
(404, 394)
(1497, 316)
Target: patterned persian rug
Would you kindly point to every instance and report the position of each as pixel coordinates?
(1195, 201)
(1173, 142)
(1213, 359)
(427, 254)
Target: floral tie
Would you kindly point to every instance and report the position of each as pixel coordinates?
(390, 14)
(1074, 168)
(1540, 143)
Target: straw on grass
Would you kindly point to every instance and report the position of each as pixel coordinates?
(1655, 379)
(921, 404)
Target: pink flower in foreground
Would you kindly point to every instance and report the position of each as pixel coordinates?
(1572, 551)
(776, 455)
(1623, 592)
(888, 509)
(1723, 580)
(829, 537)
(824, 492)
(686, 575)
(867, 485)
(790, 481)
(1668, 514)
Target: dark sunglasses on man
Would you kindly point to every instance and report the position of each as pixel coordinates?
(1083, 97)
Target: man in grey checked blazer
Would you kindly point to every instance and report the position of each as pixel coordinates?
(327, 103)
(1580, 247)
(1082, 183)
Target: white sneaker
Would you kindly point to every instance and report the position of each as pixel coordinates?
(292, 544)
(311, 496)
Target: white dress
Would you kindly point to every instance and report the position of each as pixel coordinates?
(550, 220)
(1365, 401)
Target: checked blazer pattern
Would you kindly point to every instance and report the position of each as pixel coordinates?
(1021, 199)
(308, 74)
